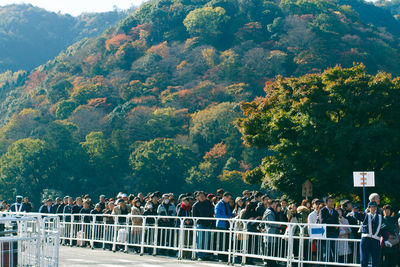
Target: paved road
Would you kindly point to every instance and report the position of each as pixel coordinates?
(79, 257)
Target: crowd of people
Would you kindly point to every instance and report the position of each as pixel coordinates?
(378, 227)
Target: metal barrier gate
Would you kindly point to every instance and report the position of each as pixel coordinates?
(242, 241)
(28, 240)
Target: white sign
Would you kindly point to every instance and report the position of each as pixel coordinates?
(317, 231)
(366, 179)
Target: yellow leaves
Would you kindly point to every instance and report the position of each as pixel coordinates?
(210, 56)
(160, 49)
(182, 65)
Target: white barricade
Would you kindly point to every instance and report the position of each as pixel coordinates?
(243, 241)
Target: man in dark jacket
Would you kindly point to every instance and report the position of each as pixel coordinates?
(329, 216)
(203, 208)
(60, 208)
(28, 205)
(47, 207)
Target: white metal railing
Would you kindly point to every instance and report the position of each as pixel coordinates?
(29, 240)
(186, 237)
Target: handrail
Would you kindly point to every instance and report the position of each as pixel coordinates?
(270, 241)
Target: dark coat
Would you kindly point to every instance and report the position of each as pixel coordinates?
(330, 217)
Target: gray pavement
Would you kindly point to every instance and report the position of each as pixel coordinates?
(79, 257)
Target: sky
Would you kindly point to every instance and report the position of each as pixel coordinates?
(76, 7)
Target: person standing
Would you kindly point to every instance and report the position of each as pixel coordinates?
(47, 207)
(222, 211)
(329, 216)
(390, 253)
(372, 233)
(28, 205)
(203, 209)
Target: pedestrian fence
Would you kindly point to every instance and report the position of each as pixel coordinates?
(241, 242)
(29, 240)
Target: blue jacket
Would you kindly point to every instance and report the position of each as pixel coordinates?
(376, 233)
(222, 210)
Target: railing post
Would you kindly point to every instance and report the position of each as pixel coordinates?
(244, 242)
(290, 246)
(229, 241)
(114, 245)
(194, 239)
(127, 220)
(301, 245)
(155, 236)
(143, 235)
(181, 238)
(93, 230)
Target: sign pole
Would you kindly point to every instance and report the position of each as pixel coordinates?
(364, 182)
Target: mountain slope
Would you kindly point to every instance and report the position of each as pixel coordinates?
(165, 83)
(29, 36)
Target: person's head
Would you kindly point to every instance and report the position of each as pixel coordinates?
(258, 196)
(140, 196)
(49, 202)
(18, 199)
(272, 203)
(154, 198)
(239, 202)
(58, 200)
(111, 205)
(246, 193)
(315, 203)
(201, 196)
(284, 202)
(346, 205)
(124, 197)
(78, 201)
(97, 207)
(265, 200)
(185, 201)
(306, 203)
(330, 202)
(373, 207)
(26, 200)
(121, 202)
(165, 199)
(85, 204)
(65, 200)
(70, 201)
(355, 208)
(340, 212)
(171, 199)
(102, 199)
(220, 192)
(227, 197)
(278, 207)
(149, 205)
(375, 197)
(136, 202)
(293, 208)
(387, 211)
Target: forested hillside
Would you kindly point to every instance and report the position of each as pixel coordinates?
(150, 104)
(29, 36)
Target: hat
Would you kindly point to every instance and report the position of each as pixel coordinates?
(120, 201)
(344, 202)
(372, 204)
(210, 195)
(317, 200)
(124, 195)
(19, 197)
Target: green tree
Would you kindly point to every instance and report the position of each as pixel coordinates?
(160, 164)
(323, 127)
(26, 169)
(206, 23)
